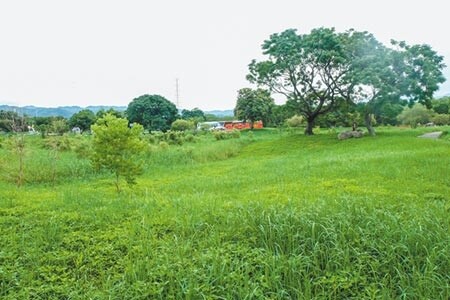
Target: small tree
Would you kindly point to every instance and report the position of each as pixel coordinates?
(253, 105)
(116, 147)
(418, 114)
(59, 126)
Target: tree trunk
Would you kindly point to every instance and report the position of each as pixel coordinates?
(368, 122)
(309, 127)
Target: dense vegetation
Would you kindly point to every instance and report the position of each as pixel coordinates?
(264, 214)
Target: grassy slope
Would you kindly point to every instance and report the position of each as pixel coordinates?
(283, 217)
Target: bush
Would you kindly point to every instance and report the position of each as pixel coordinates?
(441, 119)
(190, 138)
(174, 137)
(235, 134)
(163, 145)
(295, 121)
(83, 149)
(182, 125)
(59, 143)
(418, 114)
(220, 135)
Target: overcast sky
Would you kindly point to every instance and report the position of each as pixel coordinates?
(106, 52)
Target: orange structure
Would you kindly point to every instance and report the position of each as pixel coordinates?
(230, 125)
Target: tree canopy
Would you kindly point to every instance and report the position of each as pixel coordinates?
(385, 78)
(195, 114)
(154, 112)
(11, 121)
(319, 71)
(253, 105)
(82, 119)
(308, 69)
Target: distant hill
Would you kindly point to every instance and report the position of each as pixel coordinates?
(220, 113)
(68, 111)
(63, 111)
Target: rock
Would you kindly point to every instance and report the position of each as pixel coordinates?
(350, 134)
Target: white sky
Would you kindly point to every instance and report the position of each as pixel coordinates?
(106, 52)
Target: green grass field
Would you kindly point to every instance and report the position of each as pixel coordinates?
(268, 215)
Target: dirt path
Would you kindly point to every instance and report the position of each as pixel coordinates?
(431, 135)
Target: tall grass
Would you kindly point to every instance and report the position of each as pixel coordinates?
(282, 216)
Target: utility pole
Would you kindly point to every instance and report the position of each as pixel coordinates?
(177, 93)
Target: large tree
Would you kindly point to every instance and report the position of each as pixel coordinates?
(318, 71)
(82, 119)
(391, 77)
(309, 69)
(253, 105)
(154, 112)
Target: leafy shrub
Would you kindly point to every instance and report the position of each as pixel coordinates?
(58, 143)
(295, 121)
(190, 138)
(220, 135)
(418, 114)
(163, 145)
(441, 119)
(235, 134)
(182, 125)
(171, 137)
(174, 137)
(83, 149)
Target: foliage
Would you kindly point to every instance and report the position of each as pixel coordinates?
(196, 115)
(212, 117)
(280, 113)
(320, 70)
(418, 114)
(182, 125)
(59, 126)
(171, 137)
(57, 143)
(223, 135)
(442, 105)
(116, 148)
(253, 105)
(18, 150)
(295, 121)
(308, 69)
(441, 119)
(154, 112)
(82, 119)
(44, 124)
(387, 112)
(10, 121)
(101, 113)
(393, 76)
